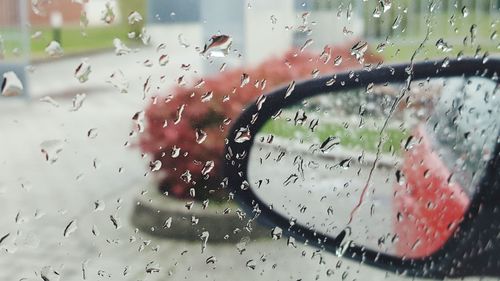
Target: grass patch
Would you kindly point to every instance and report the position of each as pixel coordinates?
(351, 138)
(74, 39)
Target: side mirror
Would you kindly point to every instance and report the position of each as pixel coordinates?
(395, 167)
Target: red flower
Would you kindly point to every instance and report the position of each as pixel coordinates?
(171, 123)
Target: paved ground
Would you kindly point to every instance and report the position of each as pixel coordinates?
(57, 217)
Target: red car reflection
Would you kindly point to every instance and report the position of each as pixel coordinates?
(428, 205)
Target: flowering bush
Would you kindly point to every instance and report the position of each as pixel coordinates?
(186, 130)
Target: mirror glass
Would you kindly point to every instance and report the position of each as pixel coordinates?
(394, 165)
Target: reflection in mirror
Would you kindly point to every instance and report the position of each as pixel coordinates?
(393, 165)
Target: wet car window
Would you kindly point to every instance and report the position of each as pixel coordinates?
(462, 129)
(115, 116)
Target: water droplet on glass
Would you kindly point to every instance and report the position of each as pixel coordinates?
(276, 233)
(49, 274)
(211, 259)
(242, 135)
(186, 176)
(120, 47)
(200, 136)
(145, 36)
(11, 85)
(176, 151)
(84, 20)
(337, 61)
(92, 133)
(329, 143)
(155, 165)
(443, 46)
(115, 222)
(204, 239)
(251, 264)
(182, 41)
(54, 49)
(152, 267)
(306, 44)
(206, 97)
(377, 12)
(163, 60)
(217, 46)
(209, 165)
(245, 79)
(386, 5)
(290, 89)
(99, 205)
(82, 71)
(51, 149)
(118, 81)
(108, 15)
(396, 22)
(358, 50)
(178, 117)
(78, 101)
(70, 228)
(465, 11)
(167, 223)
(134, 17)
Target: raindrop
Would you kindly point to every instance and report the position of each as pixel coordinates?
(163, 60)
(178, 117)
(182, 42)
(108, 15)
(155, 165)
(328, 144)
(82, 71)
(120, 47)
(245, 79)
(217, 46)
(186, 176)
(51, 149)
(443, 46)
(206, 97)
(201, 136)
(337, 61)
(400, 179)
(306, 44)
(211, 259)
(176, 151)
(276, 233)
(396, 22)
(465, 11)
(242, 135)
(134, 17)
(78, 101)
(54, 49)
(92, 133)
(290, 89)
(99, 205)
(152, 267)
(167, 223)
(70, 228)
(204, 239)
(117, 80)
(358, 50)
(115, 222)
(209, 165)
(251, 264)
(346, 163)
(11, 85)
(49, 274)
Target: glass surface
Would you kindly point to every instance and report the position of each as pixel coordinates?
(113, 115)
(398, 173)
